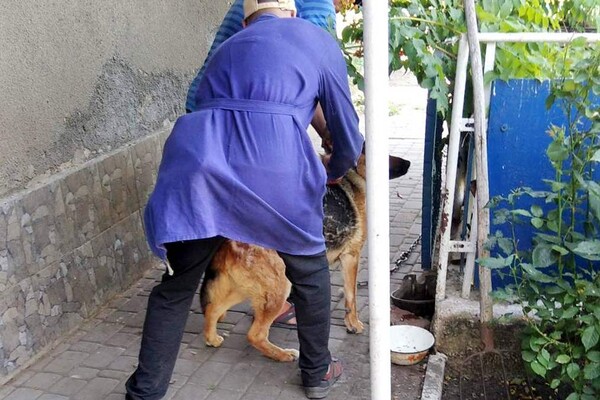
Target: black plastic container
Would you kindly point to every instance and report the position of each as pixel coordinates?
(416, 294)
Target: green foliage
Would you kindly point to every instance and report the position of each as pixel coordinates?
(424, 35)
(557, 280)
(423, 39)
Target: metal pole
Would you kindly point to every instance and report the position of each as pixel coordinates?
(375, 14)
(527, 37)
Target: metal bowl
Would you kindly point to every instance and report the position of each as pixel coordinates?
(409, 344)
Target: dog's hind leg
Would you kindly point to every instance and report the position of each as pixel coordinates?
(349, 263)
(214, 311)
(265, 312)
(261, 277)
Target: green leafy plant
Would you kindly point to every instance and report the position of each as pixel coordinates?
(424, 35)
(557, 278)
(423, 39)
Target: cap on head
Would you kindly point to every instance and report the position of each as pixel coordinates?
(252, 6)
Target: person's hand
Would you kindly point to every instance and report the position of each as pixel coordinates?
(327, 145)
(326, 159)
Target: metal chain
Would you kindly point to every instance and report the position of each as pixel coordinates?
(403, 257)
(405, 254)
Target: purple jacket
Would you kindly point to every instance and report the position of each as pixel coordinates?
(243, 165)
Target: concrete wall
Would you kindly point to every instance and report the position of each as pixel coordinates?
(80, 77)
(89, 91)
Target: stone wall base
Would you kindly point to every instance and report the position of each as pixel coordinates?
(69, 244)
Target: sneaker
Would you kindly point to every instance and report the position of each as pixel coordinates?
(333, 374)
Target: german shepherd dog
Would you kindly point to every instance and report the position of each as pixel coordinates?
(241, 271)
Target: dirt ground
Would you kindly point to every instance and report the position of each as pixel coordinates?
(474, 373)
(493, 375)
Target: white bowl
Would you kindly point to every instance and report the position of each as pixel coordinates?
(409, 344)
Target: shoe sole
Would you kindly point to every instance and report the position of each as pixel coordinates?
(317, 393)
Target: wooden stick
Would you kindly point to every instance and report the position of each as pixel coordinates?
(483, 192)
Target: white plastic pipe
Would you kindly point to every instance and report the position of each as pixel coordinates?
(375, 14)
(451, 166)
(547, 37)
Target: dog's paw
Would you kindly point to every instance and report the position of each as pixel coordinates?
(354, 326)
(281, 355)
(293, 354)
(215, 341)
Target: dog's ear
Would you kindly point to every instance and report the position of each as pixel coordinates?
(398, 166)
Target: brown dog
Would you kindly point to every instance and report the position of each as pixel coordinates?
(234, 275)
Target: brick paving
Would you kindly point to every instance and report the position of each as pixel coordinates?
(95, 360)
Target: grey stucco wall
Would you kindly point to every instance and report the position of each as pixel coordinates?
(79, 78)
(88, 93)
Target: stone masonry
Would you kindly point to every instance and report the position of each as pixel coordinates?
(70, 244)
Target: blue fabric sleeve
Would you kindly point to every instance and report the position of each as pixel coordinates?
(340, 115)
(319, 12)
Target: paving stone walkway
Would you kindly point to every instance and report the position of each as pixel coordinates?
(94, 362)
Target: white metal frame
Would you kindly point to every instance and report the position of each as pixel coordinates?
(468, 246)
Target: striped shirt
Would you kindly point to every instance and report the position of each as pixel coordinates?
(319, 12)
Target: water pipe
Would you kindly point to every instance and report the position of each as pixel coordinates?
(375, 14)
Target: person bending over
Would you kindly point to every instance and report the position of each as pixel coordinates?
(242, 167)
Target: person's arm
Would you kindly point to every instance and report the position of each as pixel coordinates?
(338, 109)
(319, 12)
(320, 125)
(322, 14)
(232, 23)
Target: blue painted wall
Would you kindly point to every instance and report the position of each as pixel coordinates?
(517, 141)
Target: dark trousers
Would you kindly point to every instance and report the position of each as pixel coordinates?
(170, 301)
